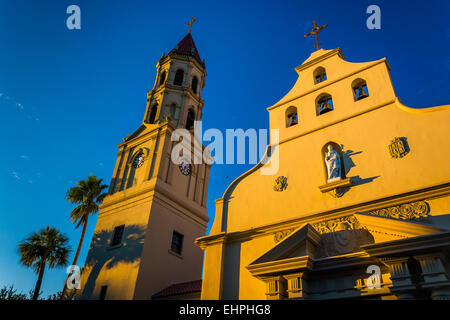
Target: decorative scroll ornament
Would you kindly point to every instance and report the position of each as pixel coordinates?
(398, 148)
(339, 224)
(280, 235)
(340, 236)
(280, 184)
(408, 211)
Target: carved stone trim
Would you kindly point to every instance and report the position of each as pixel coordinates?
(280, 184)
(334, 225)
(398, 148)
(336, 188)
(407, 211)
(280, 235)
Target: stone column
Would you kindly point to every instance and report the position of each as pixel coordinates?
(275, 287)
(403, 287)
(297, 286)
(435, 276)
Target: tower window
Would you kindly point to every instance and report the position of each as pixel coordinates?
(291, 116)
(152, 116)
(194, 84)
(117, 235)
(103, 292)
(190, 119)
(162, 78)
(319, 75)
(177, 242)
(178, 77)
(324, 104)
(359, 88)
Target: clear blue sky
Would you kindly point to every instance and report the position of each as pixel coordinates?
(69, 97)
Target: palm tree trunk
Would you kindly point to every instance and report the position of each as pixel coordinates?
(81, 242)
(75, 259)
(37, 288)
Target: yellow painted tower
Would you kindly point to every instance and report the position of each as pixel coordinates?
(155, 209)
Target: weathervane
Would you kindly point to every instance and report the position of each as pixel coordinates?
(314, 32)
(191, 23)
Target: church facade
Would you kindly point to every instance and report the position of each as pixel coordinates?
(360, 205)
(144, 238)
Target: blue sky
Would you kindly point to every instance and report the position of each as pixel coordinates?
(68, 97)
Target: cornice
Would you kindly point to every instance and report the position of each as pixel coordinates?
(425, 193)
(415, 245)
(279, 266)
(219, 238)
(321, 58)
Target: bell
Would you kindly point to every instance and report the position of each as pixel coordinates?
(293, 119)
(361, 93)
(325, 107)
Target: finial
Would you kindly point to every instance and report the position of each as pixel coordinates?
(190, 24)
(314, 32)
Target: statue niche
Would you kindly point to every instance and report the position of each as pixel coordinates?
(333, 162)
(336, 182)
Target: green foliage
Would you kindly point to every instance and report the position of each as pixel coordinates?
(45, 247)
(68, 295)
(88, 195)
(10, 293)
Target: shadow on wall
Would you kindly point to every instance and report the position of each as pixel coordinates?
(101, 254)
(347, 158)
(231, 271)
(348, 164)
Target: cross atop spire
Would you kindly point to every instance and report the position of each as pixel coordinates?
(190, 24)
(314, 32)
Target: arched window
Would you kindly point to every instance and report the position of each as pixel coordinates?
(152, 117)
(178, 81)
(174, 113)
(359, 88)
(291, 116)
(194, 84)
(162, 78)
(319, 75)
(190, 119)
(136, 162)
(324, 104)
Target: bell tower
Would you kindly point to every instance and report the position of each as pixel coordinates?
(179, 82)
(144, 237)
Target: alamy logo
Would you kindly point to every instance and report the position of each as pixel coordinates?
(374, 280)
(257, 147)
(74, 20)
(73, 281)
(374, 20)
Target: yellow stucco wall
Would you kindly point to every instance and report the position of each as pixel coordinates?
(250, 211)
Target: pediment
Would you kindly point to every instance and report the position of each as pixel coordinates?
(136, 133)
(388, 229)
(294, 252)
(331, 238)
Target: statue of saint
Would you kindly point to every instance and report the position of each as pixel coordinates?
(333, 162)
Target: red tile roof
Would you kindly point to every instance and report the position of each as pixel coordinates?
(180, 288)
(187, 47)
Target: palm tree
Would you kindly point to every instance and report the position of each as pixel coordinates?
(88, 195)
(46, 247)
